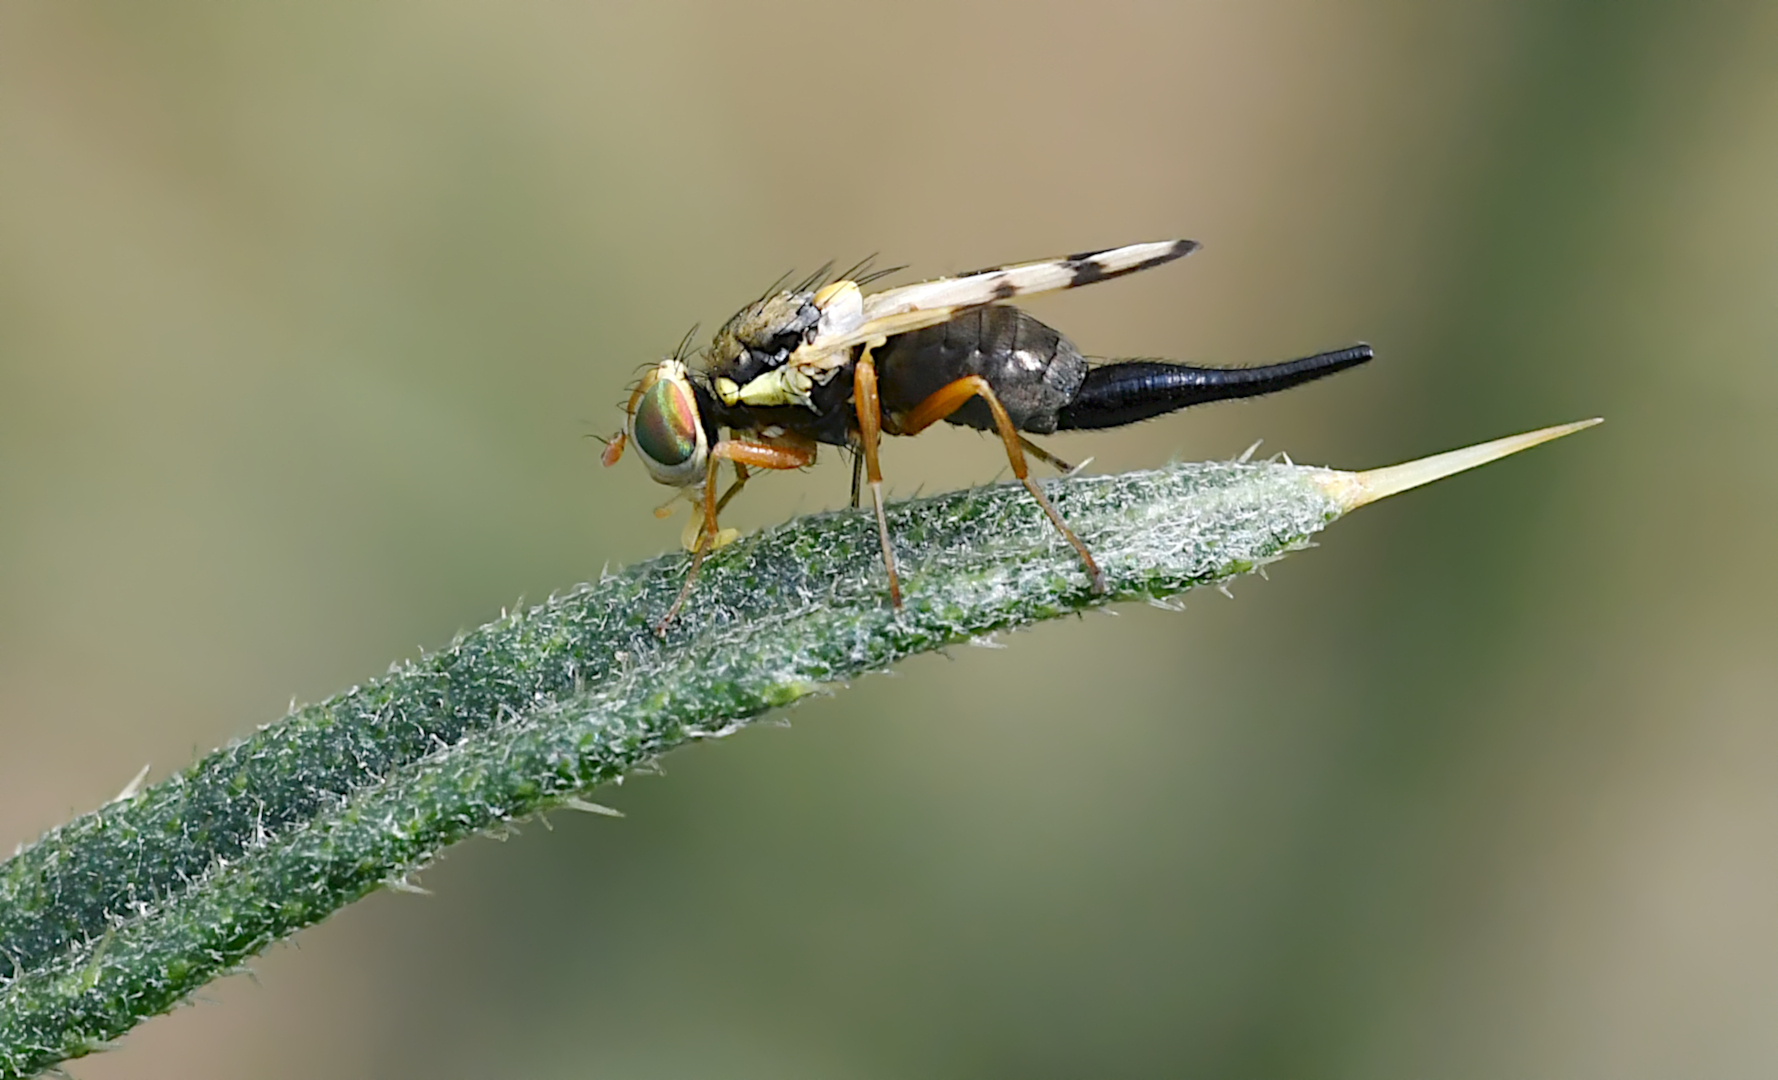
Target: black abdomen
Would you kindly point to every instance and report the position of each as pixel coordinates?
(1034, 370)
(1124, 392)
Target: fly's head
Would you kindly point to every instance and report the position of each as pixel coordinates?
(668, 422)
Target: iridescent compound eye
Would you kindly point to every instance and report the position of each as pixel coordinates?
(666, 430)
(667, 423)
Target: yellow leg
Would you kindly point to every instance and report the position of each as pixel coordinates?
(870, 428)
(709, 536)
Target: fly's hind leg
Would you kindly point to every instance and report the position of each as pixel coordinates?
(948, 399)
(1046, 457)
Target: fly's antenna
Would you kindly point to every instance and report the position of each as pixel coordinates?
(614, 449)
(614, 446)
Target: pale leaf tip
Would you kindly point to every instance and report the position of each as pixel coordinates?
(574, 802)
(1353, 490)
(131, 789)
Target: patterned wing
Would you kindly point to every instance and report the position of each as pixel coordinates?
(911, 307)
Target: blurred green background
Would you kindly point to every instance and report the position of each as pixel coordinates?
(305, 312)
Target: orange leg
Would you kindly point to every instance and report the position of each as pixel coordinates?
(870, 429)
(1045, 456)
(743, 454)
(947, 400)
(734, 488)
(764, 455)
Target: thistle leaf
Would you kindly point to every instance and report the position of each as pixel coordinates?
(125, 911)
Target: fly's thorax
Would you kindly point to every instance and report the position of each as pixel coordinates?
(762, 336)
(769, 354)
(668, 427)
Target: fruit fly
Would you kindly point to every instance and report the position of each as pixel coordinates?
(825, 363)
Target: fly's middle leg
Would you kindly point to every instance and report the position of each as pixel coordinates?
(870, 430)
(948, 399)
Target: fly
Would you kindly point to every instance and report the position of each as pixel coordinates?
(826, 363)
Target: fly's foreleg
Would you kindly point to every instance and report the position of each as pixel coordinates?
(743, 454)
(951, 397)
(734, 488)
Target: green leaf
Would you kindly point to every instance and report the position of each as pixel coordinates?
(122, 913)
